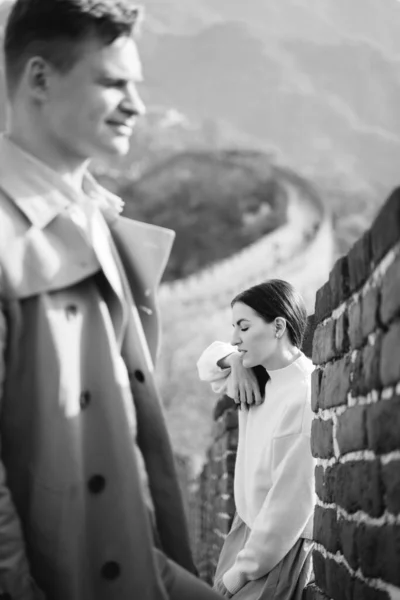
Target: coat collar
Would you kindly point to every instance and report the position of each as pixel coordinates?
(40, 193)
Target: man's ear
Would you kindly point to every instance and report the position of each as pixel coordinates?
(280, 326)
(37, 76)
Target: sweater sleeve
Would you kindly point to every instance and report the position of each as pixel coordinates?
(208, 368)
(284, 515)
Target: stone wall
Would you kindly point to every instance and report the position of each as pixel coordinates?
(355, 434)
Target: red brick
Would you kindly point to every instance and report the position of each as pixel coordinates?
(325, 483)
(228, 463)
(391, 484)
(362, 591)
(324, 343)
(308, 336)
(342, 342)
(370, 309)
(390, 304)
(339, 282)
(311, 592)
(370, 375)
(322, 438)
(325, 528)
(223, 523)
(347, 539)
(351, 432)
(339, 582)
(224, 403)
(359, 260)
(385, 231)
(230, 419)
(366, 369)
(390, 361)
(232, 439)
(225, 484)
(323, 303)
(383, 425)
(336, 383)
(379, 552)
(355, 325)
(316, 388)
(319, 569)
(227, 505)
(358, 487)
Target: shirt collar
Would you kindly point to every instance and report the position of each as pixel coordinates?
(40, 193)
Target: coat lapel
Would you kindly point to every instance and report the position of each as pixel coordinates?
(144, 250)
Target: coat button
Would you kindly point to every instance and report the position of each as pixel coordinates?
(111, 570)
(96, 484)
(71, 311)
(139, 376)
(84, 399)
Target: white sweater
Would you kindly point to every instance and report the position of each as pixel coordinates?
(274, 474)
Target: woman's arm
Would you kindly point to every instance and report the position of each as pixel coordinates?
(221, 365)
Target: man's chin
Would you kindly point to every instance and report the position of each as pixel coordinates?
(117, 147)
(120, 146)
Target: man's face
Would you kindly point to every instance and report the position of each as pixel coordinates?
(91, 110)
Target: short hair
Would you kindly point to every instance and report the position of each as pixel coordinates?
(54, 30)
(277, 298)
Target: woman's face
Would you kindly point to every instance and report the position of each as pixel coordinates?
(253, 336)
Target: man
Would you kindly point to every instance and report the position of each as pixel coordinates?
(87, 479)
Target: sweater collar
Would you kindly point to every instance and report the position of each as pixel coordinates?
(301, 366)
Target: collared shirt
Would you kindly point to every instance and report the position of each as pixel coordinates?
(42, 194)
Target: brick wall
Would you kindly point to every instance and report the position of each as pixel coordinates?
(213, 508)
(355, 434)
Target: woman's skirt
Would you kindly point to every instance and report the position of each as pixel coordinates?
(286, 581)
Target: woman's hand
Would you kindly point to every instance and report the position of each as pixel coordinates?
(221, 589)
(245, 387)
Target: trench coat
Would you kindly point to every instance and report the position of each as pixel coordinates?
(72, 511)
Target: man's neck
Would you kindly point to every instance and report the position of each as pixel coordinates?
(71, 171)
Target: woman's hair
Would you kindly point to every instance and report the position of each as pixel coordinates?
(277, 298)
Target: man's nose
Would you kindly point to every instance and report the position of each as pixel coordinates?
(133, 103)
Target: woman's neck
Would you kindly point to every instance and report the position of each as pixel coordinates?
(284, 357)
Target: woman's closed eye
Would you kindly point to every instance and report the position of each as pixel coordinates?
(244, 329)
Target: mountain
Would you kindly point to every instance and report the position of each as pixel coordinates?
(314, 82)
(317, 105)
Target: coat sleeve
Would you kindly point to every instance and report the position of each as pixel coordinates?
(208, 368)
(284, 515)
(15, 577)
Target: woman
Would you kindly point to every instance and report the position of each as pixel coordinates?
(267, 554)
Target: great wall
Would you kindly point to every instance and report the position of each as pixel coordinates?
(355, 434)
(196, 310)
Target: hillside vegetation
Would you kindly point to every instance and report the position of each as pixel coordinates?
(217, 202)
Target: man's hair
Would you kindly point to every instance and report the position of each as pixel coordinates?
(55, 29)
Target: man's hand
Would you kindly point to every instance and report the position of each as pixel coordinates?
(244, 383)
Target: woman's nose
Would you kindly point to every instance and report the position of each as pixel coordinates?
(235, 341)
